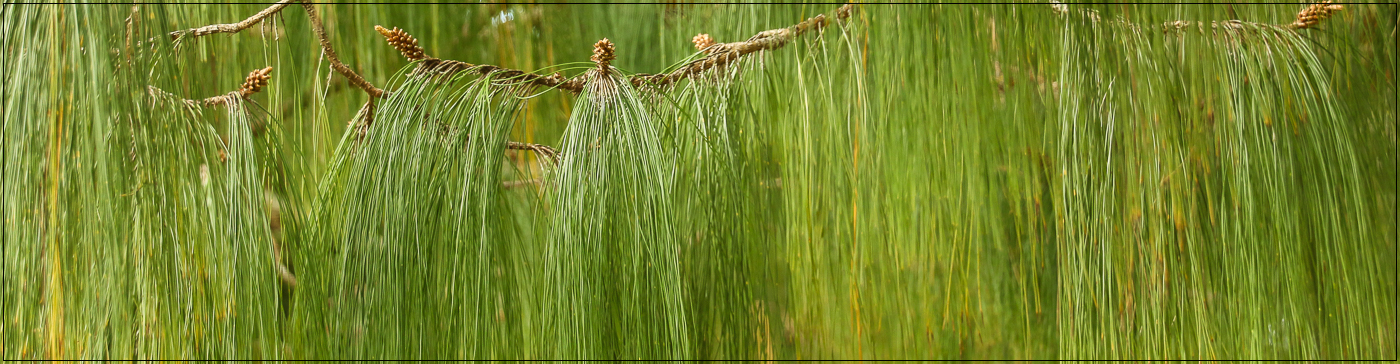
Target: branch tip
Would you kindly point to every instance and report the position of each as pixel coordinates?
(702, 41)
(722, 54)
(1314, 14)
(402, 41)
(255, 82)
(603, 53)
(540, 149)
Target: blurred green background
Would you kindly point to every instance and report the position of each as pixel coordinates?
(918, 181)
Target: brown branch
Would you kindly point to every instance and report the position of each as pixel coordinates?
(255, 81)
(362, 119)
(543, 150)
(224, 99)
(1310, 16)
(339, 67)
(719, 56)
(408, 46)
(528, 79)
(725, 53)
(235, 27)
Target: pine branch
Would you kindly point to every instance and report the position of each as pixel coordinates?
(255, 81)
(719, 56)
(316, 27)
(1310, 16)
(724, 53)
(344, 70)
(543, 150)
(408, 46)
(363, 119)
(235, 27)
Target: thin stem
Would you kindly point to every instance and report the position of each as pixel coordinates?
(255, 81)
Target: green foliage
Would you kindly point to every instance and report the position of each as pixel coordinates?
(413, 231)
(1245, 174)
(613, 287)
(954, 182)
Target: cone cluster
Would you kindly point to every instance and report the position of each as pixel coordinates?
(255, 82)
(603, 53)
(702, 41)
(400, 40)
(1315, 13)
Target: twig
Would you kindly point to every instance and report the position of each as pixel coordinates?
(724, 53)
(344, 70)
(543, 150)
(255, 81)
(364, 118)
(1310, 16)
(235, 27)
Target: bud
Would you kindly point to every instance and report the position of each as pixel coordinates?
(400, 40)
(255, 82)
(702, 41)
(603, 53)
(1314, 14)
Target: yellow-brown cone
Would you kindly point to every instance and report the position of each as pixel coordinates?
(255, 82)
(604, 53)
(400, 40)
